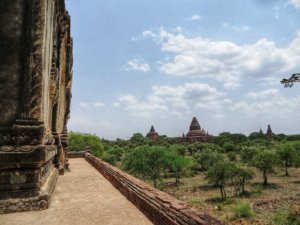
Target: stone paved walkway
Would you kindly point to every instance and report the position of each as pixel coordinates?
(82, 197)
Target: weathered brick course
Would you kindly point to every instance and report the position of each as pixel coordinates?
(158, 206)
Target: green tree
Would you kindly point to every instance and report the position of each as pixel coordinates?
(247, 153)
(241, 175)
(228, 137)
(229, 147)
(220, 174)
(265, 161)
(137, 138)
(207, 158)
(288, 154)
(117, 152)
(177, 163)
(79, 141)
(195, 147)
(231, 156)
(109, 158)
(146, 161)
(179, 149)
(257, 135)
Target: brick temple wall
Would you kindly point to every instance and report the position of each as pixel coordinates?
(158, 206)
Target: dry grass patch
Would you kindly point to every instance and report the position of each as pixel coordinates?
(261, 204)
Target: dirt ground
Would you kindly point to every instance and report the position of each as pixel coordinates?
(281, 195)
(82, 197)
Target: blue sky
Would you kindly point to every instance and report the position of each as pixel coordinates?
(139, 63)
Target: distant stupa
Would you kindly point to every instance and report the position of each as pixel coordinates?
(269, 131)
(153, 135)
(196, 133)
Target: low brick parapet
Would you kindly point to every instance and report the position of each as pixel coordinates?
(72, 155)
(158, 206)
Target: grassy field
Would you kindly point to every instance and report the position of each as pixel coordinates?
(277, 203)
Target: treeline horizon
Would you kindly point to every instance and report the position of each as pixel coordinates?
(253, 135)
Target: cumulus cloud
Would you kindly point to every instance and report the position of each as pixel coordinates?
(175, 100)
(218, 104)
(98, 104)
(116, 104)
(85, 105)
(189, 91)
(263, 94)
(219, 116)
(137, 65)
(144, 108)
(195, 17)
(295, 3)
(268, 102)
(236, 28)
(225, 61)
(231, 85)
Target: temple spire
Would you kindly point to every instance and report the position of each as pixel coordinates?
(195, 124)
(152, 130)
(153, 135)
(196, 133)
(269, 131)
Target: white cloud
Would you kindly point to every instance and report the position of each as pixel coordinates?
(139, 107)
(213, 104)
(195, 17)
(295, 3)
(231, 85)
(128, 99)
(269, 103)
(271, 93)
(235, 28)
(242, 105)
(175, 100)
(83, 105)
(116, 104)
(219, 116)
(225, 61)
(189, 91)
(136, 65)
(98, 104)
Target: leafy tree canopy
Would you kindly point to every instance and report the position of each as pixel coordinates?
(79, 141)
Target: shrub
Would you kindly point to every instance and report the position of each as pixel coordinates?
(247, 153)
(240, 176)
(288, 155)
(266, 161)
(208, 158)
(243, 210)
(229, 147)
(231, 156)
(79, 141)
(220, 174)
(109, 158)
(177, 163)
(149, 162)
(286, 217)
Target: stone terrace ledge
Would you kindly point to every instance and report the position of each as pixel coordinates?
(84, 196)
(158, 206)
